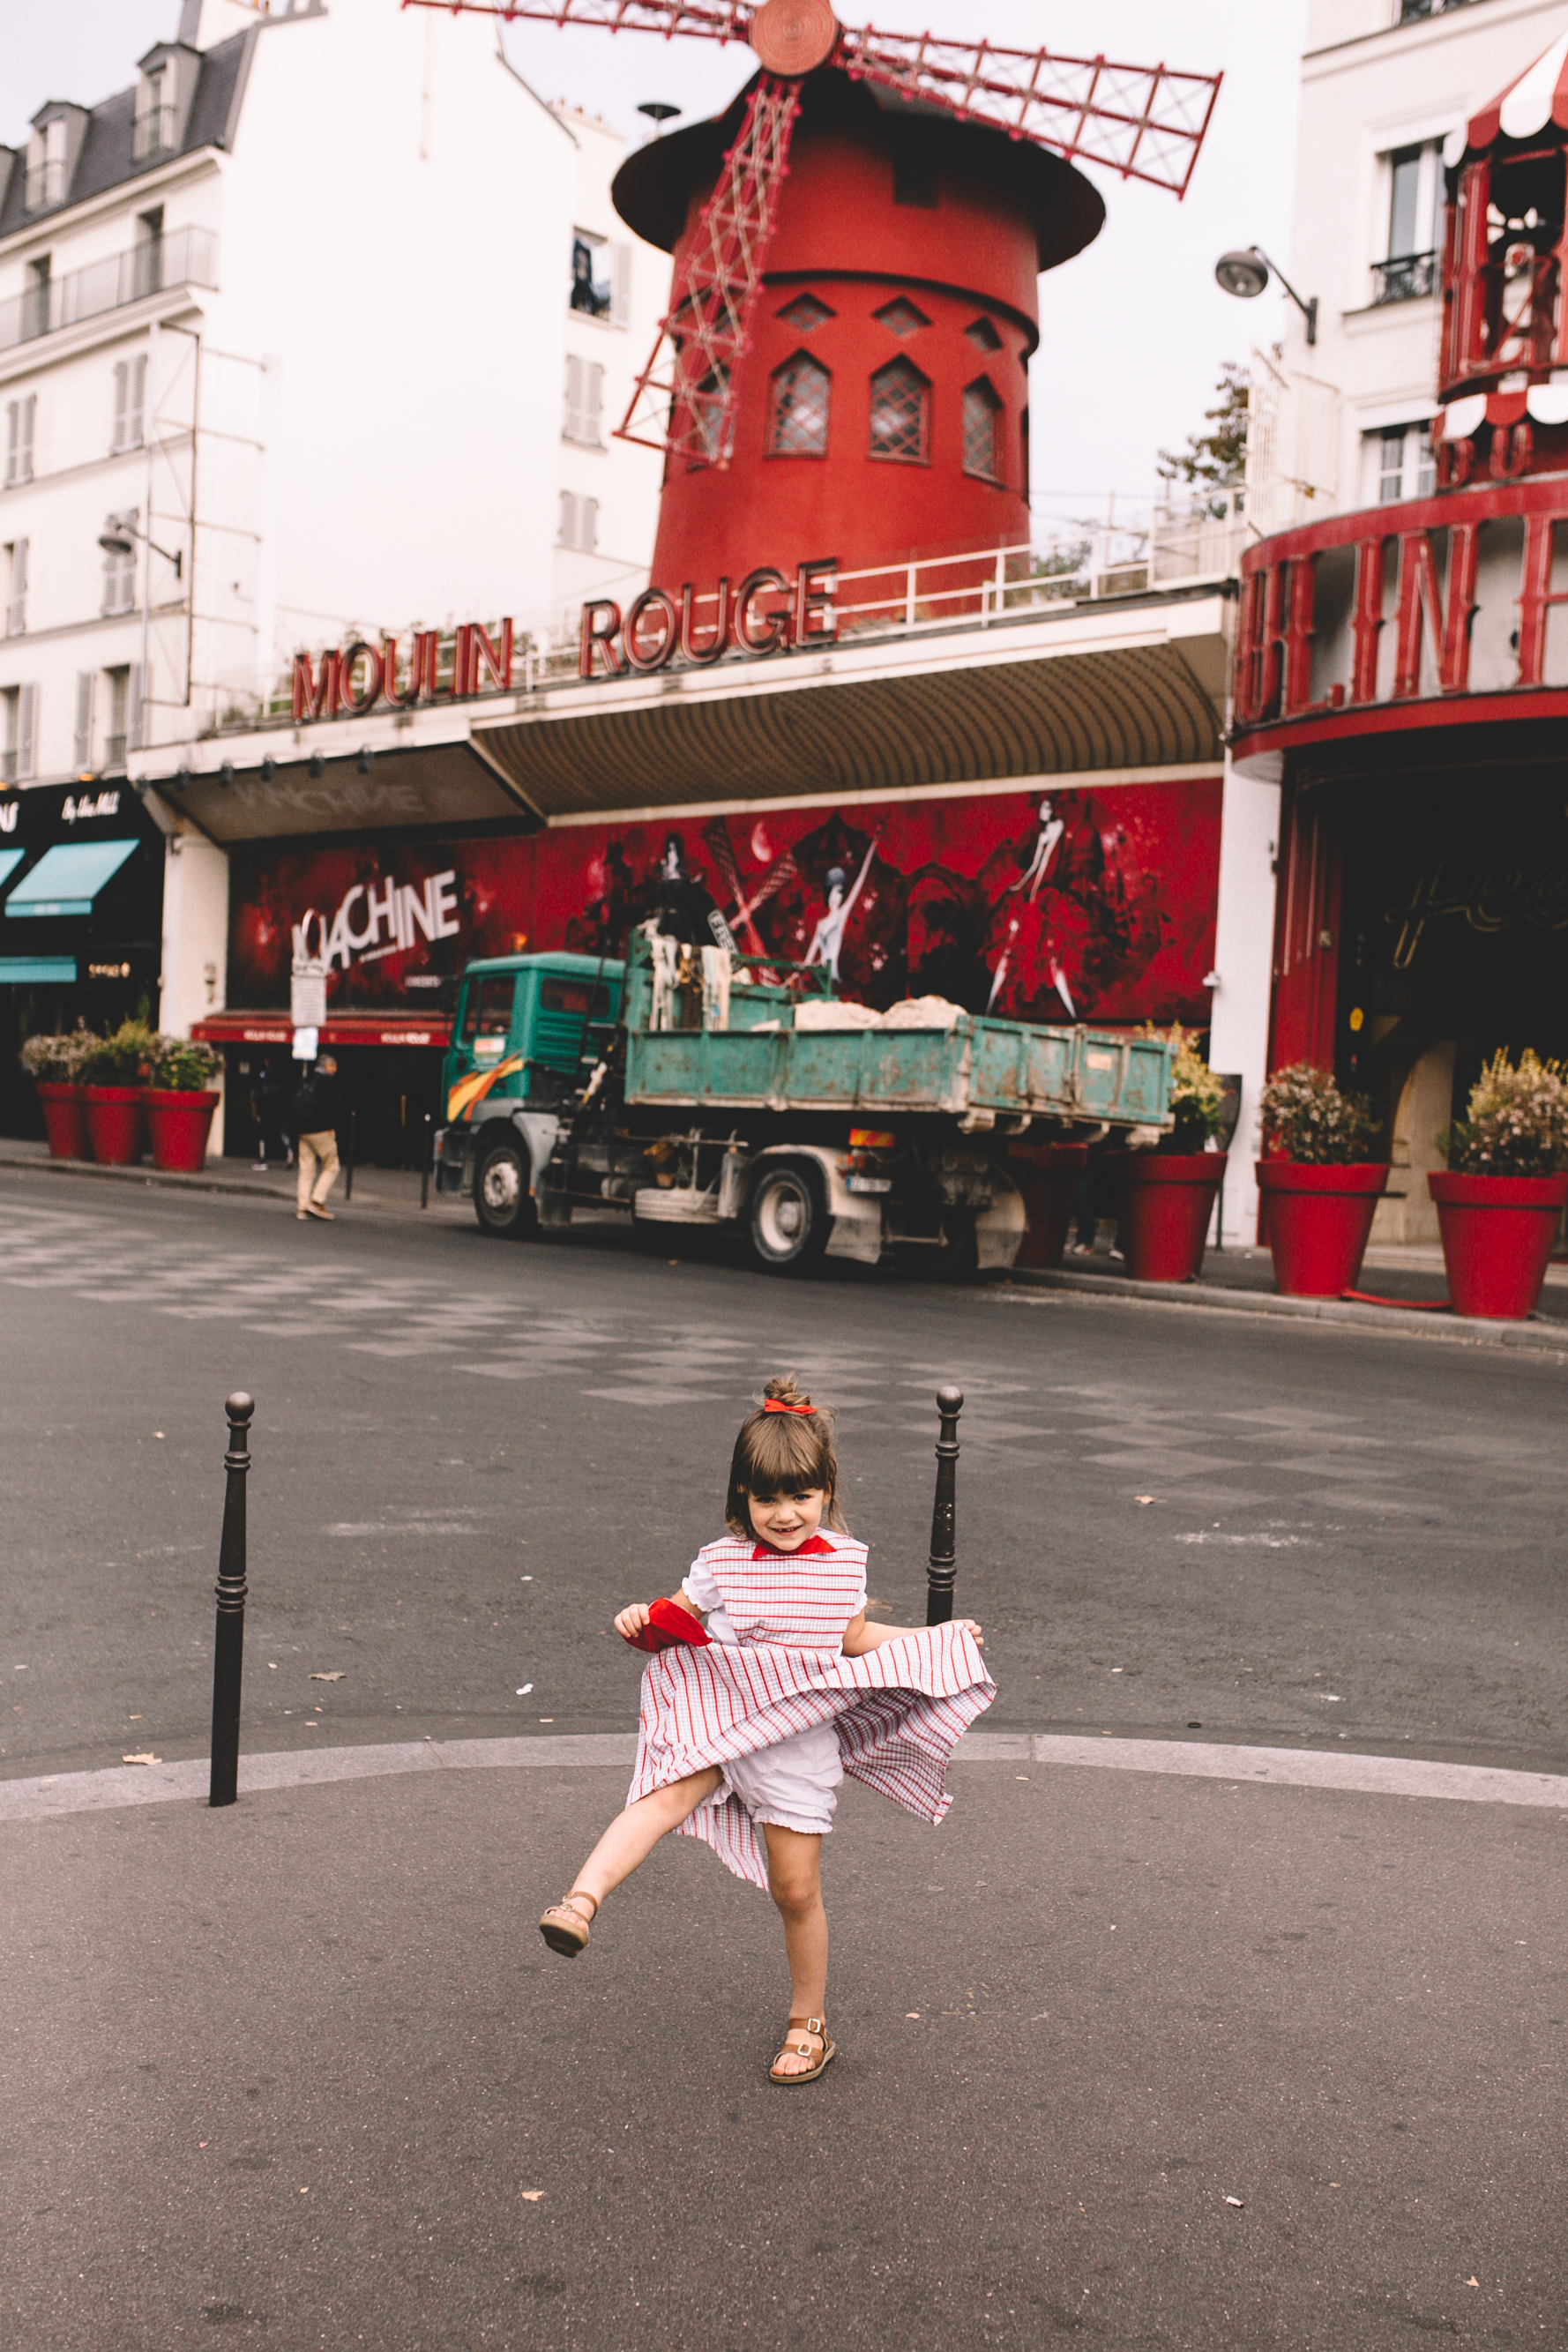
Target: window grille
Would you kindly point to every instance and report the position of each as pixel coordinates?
(982, 335)
(900, 413)
(900, 317)
(805, 314)
(20, 416)
(981, 416)
(798, 415)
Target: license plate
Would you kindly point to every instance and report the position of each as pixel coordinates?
(869, 1183)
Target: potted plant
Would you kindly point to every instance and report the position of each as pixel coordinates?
(1500, 1200)
(53, 1063)
(180, 1102)
(1048, 1176)
(113, 1074)
(1166, 1197)
(1320, 1188)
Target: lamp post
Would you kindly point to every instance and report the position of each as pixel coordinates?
(1246, 272)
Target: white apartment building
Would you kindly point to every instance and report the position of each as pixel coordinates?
(1344, 422)
(325, 320)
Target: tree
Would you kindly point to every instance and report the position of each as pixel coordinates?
(1215, 461)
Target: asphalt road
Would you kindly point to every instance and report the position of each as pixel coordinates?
(1150, 2060)
(468, 1454)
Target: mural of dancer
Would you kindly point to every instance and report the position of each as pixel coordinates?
(828, 939)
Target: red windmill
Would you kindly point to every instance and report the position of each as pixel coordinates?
(962, 126)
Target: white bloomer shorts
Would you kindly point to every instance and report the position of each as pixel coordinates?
(793, 1784)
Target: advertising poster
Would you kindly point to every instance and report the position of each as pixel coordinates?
(1047, 906)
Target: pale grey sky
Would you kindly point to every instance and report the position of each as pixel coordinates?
(1132, 332)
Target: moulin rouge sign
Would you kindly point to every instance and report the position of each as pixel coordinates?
(765, 615)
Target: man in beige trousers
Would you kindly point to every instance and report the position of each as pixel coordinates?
(313, 1116)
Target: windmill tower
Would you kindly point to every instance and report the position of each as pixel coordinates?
(842, 372)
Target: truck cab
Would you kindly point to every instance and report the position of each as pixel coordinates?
(526, 1031)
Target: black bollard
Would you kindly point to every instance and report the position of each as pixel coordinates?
(944, 1516)
(228, 1649)
(425, 1163)
(348, 1162)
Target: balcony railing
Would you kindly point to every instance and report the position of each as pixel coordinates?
(1412, 11)
(1404, 279)
(187, 257)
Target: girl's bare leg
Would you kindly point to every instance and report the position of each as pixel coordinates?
(795, 1882)
(633, 1835)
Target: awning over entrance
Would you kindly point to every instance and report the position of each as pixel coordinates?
(9, 861)
(273, 1028)
(37, 971)
(68, 878)
(1525, 105)
(370, 785)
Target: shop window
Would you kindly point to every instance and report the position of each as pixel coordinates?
(487, 1014)
(601, 277)
(797, 411)
(982, 335)
(900, 317)
(900, 413)
(129, 403)
(20, 418)
(805, 314)
(584, 403)
(982, 430)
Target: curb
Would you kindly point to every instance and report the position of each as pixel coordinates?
(1548, 1338)
(140, 1175)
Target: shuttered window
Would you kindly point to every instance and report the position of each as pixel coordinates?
(81, 754)
(17, 589)
(579, 523)
(130, 403)
(20, 416)
(585, 401)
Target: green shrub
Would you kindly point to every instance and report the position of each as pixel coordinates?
(1198, 1097)
(1306, 1119)
(1516, 1123)
(122, 1058)
(184, 1065)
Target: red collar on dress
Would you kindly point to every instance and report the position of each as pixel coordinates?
(772, 1551)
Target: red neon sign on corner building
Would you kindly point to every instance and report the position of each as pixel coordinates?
(441, 669)
(806, 617)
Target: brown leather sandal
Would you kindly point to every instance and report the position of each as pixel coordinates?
(818, 2031)
(565, 1930)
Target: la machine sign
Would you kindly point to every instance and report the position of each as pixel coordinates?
(767, 613)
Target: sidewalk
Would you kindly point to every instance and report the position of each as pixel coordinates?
(384, 1189)
(1174, 2061)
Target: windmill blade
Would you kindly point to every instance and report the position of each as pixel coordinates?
(684, 400)
(705, 20)
(1145, 121)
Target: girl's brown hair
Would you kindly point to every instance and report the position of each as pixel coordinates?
(784, 1452)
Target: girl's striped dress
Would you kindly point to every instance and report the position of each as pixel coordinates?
(776, 1669)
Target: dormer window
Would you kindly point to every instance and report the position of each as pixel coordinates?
(155, 127)
(46, 166)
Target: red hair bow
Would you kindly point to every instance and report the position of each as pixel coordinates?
(777, 1404)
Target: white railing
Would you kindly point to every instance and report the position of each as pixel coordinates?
(187, 257)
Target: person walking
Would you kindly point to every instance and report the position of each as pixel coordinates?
(313, 1116)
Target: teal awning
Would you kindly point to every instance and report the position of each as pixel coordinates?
(9, 861)
(68, 878)
(37, 971)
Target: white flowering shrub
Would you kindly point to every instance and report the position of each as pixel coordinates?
(1308, 1119)
(1516, 1123)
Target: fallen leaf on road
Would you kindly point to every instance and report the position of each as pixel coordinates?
(140, 1759)
(911, 2012)
(532, 2196)
(1472, 2282)
(1142, 1498)
(1235, 2200)
(336, 1675)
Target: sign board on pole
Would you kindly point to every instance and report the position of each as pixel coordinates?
(306, 1042)
(308, 994)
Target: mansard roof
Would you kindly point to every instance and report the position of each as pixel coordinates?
(105, 160)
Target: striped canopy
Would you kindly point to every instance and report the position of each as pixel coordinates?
(1525, 106)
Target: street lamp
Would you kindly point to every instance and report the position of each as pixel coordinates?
(660, 111)
(121, 538)
(1245, 273)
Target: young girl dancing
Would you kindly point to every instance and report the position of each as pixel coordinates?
(768, 1686)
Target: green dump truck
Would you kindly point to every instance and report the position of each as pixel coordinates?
(695, 1086)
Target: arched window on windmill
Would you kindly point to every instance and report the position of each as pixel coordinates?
(982, 430)
(900, 413)
(798, 407)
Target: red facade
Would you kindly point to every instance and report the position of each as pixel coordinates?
(1098, 903)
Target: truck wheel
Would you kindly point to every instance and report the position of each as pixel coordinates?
(789, 1226)
(501, 1200)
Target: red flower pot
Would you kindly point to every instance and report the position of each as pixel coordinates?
(1048, 1175)
(1164, 1204)
(1497, 1232)
(115, 1124)
(1317, 1221)
(179, 1123)
(65, 1122)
